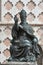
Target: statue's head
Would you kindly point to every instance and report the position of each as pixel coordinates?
(24, 25)
(23, 15)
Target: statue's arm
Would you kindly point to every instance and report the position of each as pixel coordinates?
(15, 28)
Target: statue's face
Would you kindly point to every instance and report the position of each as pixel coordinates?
(23, 14)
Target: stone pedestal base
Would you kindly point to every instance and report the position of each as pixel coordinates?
(22, 63)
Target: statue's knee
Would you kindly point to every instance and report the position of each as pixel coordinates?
(35, 40)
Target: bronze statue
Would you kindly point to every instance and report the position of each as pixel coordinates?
(24, 43)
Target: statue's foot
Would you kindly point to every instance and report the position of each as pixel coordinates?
(13, 59)
(23, 59)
